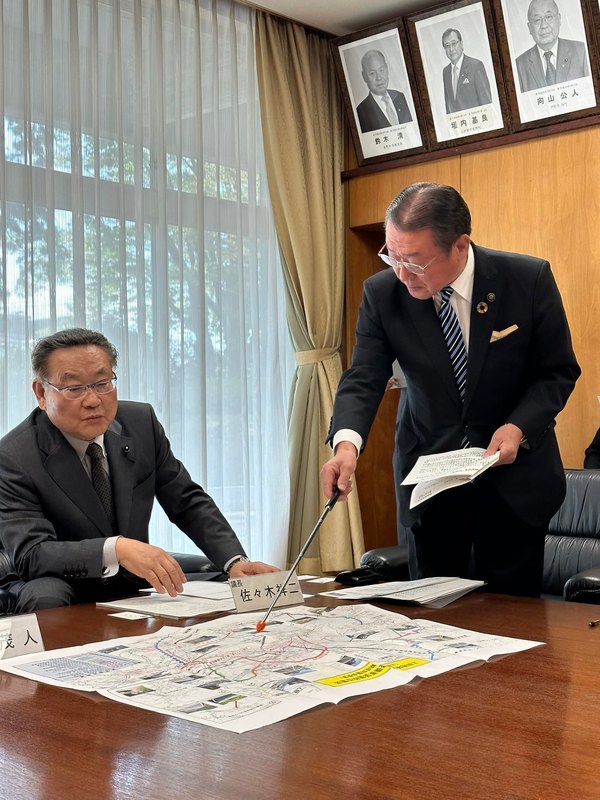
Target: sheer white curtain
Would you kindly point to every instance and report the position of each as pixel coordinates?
(133, 201)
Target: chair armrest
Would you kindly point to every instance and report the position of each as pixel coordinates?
(584, 587)
(193, 562)
(391, 563)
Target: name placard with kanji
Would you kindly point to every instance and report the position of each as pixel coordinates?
(257, 592)
(20, 636)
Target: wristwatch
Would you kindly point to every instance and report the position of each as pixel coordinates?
(235, 561)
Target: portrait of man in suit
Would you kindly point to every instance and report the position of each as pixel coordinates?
(466, 84)
(483, 341)
(382, 107)
(78, 479)
(552, 59)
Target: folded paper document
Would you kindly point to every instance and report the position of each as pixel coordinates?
(431, 592)
(432, 474)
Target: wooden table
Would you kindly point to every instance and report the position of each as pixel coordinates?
(523, 726)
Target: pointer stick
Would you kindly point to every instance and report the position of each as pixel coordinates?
(260, 625)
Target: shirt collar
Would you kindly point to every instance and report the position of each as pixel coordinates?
(80, 446)
(552, 50)
(458, 64)
(463, 285)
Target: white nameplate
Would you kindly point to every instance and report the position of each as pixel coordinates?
(257, 592)
(20, 636)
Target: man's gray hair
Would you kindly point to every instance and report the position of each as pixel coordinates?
(70, 337)
(431, 205)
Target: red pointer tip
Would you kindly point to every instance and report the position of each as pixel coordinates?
(260, 625)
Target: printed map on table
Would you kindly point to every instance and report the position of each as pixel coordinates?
(224, 674)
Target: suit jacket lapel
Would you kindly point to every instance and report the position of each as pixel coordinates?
(120, 452)
(487, 290)
(66, 470)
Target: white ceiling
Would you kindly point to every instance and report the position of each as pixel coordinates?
(340, 16)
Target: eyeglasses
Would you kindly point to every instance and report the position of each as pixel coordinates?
(416, 269)
(77, 392)
(547, 18)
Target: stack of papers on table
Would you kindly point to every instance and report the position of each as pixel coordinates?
(197, 599)
(430, 592)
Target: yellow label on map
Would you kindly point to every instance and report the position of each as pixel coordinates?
(366, 673)
(408, 663)
(370, 671)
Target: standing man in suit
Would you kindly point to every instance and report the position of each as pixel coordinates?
(466, 83)
(382, 107)
(520, 371)
(551, 60)
(78, 478)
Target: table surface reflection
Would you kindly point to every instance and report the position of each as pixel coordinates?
(522, 726)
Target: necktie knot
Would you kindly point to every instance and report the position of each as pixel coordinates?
(94, 451)
(446, 293)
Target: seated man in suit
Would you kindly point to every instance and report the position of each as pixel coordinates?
(382, 107)
(466, 83)
(551, 60)
(78, 478)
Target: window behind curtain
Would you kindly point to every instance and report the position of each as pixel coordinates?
(133, 200)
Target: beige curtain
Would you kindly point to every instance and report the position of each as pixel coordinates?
(303, 136)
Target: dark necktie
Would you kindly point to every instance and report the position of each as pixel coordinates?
(101, 482)
(550, 69)
(455, 344)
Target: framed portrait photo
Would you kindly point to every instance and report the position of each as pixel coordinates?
(548, 47)
(376, 79)
(457, 67)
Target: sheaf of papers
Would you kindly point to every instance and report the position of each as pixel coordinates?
(180, 607)
(224, 674)
(431, 592)
(435, 473)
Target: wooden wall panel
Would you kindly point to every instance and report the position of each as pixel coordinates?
(540, 197)
(370, 195)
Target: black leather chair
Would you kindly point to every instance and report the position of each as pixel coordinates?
(194, 566)
(572, 551)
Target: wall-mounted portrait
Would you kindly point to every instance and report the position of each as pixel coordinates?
(456, 59)
(550, 57)
(375, 76)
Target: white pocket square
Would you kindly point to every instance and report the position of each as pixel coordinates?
(501, 334)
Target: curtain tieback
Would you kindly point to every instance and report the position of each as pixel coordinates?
(304, 357)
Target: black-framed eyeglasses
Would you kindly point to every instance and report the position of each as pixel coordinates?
(416, 269)
(77, 392)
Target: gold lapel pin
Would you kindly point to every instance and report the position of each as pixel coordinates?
(482, 307)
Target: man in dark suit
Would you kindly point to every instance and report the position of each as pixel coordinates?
(382, 107)
(551, 60)
(519, 373)
(78, 479)
(466, 83)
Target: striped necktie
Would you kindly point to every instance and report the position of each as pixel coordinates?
(455, 344)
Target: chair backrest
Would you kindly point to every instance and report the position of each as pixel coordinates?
(573, 539)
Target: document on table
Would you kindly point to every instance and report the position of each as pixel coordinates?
(430, 592)
(225, 675)
(213, 590)
(180, 607)
(435, 473)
